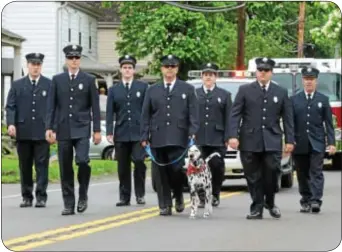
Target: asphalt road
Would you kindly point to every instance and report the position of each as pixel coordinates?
(104, 227)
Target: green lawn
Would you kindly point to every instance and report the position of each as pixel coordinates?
(10, 170)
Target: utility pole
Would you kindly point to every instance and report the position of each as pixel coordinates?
(301, 20)
(241, 38)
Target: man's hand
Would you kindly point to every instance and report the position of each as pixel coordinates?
(50, 136)
(331, 149)
(144, 144)
(289, 148)
(234, 143)
(11, 130)
(96, 138)
(110, 139)
(192, 137)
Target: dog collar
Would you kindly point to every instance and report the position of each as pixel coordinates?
(193, 170)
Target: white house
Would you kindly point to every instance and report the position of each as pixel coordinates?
(49, 26)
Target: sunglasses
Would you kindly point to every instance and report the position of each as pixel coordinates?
(73, 57)
(260, 69)
(170, 66)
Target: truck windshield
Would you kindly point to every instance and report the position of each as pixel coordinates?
(327, 83)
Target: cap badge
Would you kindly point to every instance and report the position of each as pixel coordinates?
(74, 47)
(126, 56)
(264, 59)
(309, 69)
(37, 55)
(208, 65)
(170, 56)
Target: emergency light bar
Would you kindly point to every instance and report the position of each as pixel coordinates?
(224, 74)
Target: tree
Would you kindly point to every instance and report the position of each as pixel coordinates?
(156, 29)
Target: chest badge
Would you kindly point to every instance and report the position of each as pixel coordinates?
(138, 94)
(319, 104)
(184, 96)
(219, 100)
(80, 86)
(44, 93)
(275, 99)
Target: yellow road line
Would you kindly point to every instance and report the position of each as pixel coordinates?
(145, 214)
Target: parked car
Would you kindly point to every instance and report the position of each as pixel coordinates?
(231, 81)
(103, 150)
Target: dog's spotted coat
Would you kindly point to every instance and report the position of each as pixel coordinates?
(199, 178)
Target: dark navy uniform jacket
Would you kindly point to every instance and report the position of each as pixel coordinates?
(169, 121)
(74, 103)
(260, 117)
(126, 106)
(312, 123)
(214, 112)
(26, 108)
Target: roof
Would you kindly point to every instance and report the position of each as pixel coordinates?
(11, 34)
(86, 8)
(108, 14)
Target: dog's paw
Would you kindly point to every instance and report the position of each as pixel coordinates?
(192, 216)
(206, 215)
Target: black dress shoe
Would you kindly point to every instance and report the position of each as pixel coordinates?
(123, 203)
(40, 203)
(254, 216)
(68, 211)
(315, 207)
(26, 203)
(216, 201)
(165, 211)
(82, 206)
(306, 208)
(275, 212)
(180, 204)
(141, 201)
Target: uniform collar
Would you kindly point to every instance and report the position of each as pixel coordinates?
(129, 83)
(206, 89)
(37, 79)
(266, 86)
(172, 84)
(74, 74)
(306, 94)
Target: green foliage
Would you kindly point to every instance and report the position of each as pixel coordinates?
(156, 28)
(7, 143)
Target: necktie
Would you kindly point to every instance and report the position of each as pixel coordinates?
(33, 83)
(127, 85)
(309, 98)
(264, 88)
(72, 77)
(208, 92)
(168, 85)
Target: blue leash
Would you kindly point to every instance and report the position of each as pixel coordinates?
(149, 152)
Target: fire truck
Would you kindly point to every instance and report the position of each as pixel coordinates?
(287, 73)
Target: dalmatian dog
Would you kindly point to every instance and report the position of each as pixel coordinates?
(199, 178)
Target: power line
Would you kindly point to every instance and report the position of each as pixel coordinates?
(204, 9)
